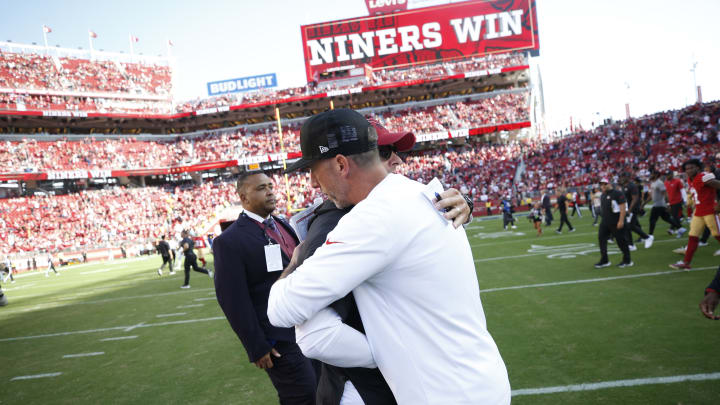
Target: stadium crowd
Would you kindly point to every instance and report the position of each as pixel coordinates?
(107, 217)
(483, 170)
(31, 155)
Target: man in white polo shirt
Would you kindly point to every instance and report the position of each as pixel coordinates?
(411, 272)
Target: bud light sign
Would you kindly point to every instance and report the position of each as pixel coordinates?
(242, 84)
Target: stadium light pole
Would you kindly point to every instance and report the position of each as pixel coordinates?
(695, 88)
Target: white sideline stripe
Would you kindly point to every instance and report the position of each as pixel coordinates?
(593, 280)
(124, 328)
(105, 270)
(204, 299)
(118, 338)
(168, 315)
(614, 384)
(30, 377)
(190, 306)
(70, 356)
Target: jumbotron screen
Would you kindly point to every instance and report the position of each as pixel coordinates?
(425, 35)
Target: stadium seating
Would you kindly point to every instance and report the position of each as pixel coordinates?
(128, 153)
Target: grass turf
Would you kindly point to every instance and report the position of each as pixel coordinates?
(551, 335)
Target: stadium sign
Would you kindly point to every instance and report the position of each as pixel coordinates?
(441, 33)
(376, 7)
(242, 84)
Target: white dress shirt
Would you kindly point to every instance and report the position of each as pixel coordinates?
(413, 278)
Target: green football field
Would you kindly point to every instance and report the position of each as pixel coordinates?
(116, 333)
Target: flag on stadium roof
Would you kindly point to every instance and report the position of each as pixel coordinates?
(170, 43)
(134, 38)
(92, 34)
(47, 29)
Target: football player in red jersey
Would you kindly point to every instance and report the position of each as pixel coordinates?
(702, 191)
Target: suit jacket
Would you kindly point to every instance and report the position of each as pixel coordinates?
(242, 285)
(546, 202)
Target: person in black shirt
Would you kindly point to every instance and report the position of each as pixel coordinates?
(163, 248)
(562, 207)
(632, 196)
(547, 207)
(613, 209)
(187, 246)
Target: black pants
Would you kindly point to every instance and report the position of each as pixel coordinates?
(508, 219)
(676, 211)
(662, 212)
(548, 216)
(576, 209)
(191, 262)
(633, 226)
(564, 220)
(705, 235)
(607, 230)
(293, 375)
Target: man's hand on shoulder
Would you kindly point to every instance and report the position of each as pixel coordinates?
(459, 211)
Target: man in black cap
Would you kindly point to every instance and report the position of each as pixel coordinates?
(613, 208)
(389, 248)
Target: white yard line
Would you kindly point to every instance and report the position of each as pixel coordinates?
(169, 315)
(123, 328)
(119, 338)
(72, 356)
(190, 306)
(532, 239)
(616, 384)
(593, 280)
(30, 377)
(205, 299)
(106, 270)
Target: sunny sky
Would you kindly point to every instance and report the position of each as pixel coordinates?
(591, 51)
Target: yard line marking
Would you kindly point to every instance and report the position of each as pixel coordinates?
(118, 338)
(204, 299)
(592, 280)
(70, 356)
(168, 315)
(534, 238)
(30, 377)
(123, 328)
(130, 328)
(619, 383)
(190, 306)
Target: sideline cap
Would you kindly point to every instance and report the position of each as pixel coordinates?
(403, 141)
(331, 133)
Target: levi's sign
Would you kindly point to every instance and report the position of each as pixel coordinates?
(441, 33)
(242, 84)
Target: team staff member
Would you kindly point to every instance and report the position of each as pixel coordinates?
(702, 191)
(249, 256)
(425, 328)
(613, 208)
(711, 299)
(658, 192)
(674, 187)
(50, 266)
(562, 207)
(536, 218)
(8, 269)
(190, 261)
(547, 207)
(164, 249)
(632, 195)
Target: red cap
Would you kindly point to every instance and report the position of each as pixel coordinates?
(403, 141)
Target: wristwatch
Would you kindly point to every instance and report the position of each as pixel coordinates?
(470, 204)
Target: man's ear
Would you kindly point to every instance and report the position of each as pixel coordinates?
(342, 165)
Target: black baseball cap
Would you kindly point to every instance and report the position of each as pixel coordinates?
(331, 133)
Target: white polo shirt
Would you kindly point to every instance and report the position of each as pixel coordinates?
(413, 277)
